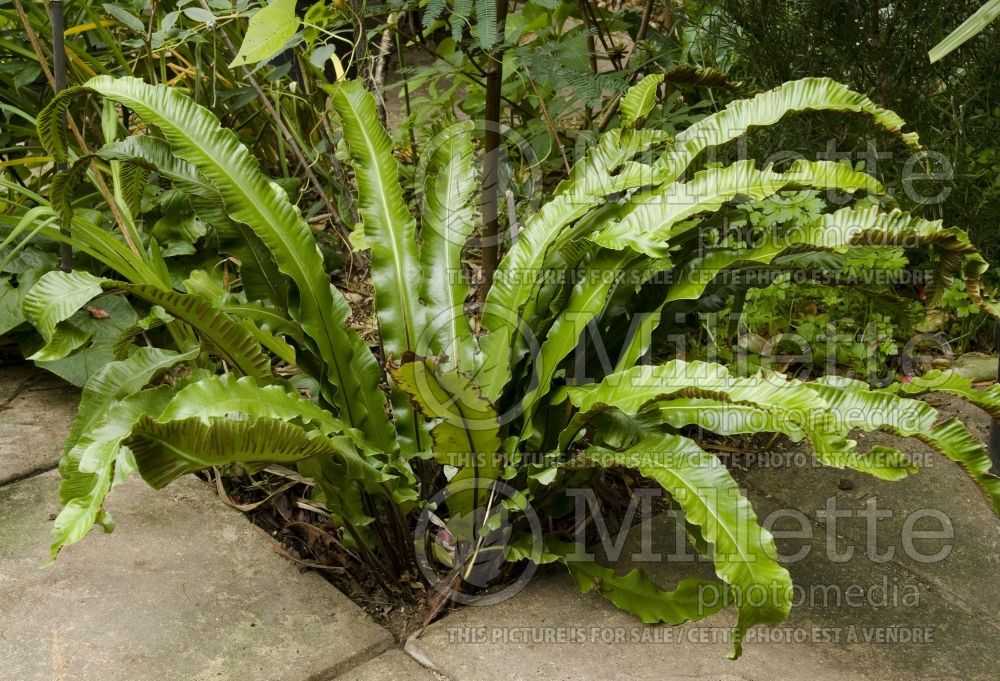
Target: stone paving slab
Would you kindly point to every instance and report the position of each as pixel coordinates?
(604, 644)
(392, 665)
(36, 410)
(941, 497)
(951, 604)
(518, 639)
(184, 589)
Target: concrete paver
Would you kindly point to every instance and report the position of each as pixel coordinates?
(868, 617)
(185, 588)
(36, 410)
(392, 665)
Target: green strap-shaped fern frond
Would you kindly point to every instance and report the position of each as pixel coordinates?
(649, 224)
(448, 220)
(692, 599)
(953, 383)
(349, 374)
(629, 391)
(92, 460)
(767, 108)
(164, 451)
(228, 338)
(58, 295)
(743, 551)
(605, 171)
(639, 100)
(467, 424)
(390, 231)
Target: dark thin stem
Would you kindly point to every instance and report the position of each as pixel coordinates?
(605, 43)
(551, 124)
(404, 537)
(406, 91)
(491, 160)
(375, 566)
(591, 58)
(59, 74)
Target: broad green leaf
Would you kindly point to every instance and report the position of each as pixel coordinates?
(631, 390)
(953, 439)
(268, 31)
(89, 468)
(636, 593)
(112, 313)
(53, 300)
(633, 592)
(953, 383)
(767, 108)
(125, 17)
(649, 224)
(221, 396)
(200, 14)
(389, 228)
(721, 417)
(230, 339)
(66, 338)
(390, 231)
(835, 231)
(93, 460)
(117, 380)
(639, 100)
(852, 405)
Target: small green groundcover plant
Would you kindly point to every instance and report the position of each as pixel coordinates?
(452, 407)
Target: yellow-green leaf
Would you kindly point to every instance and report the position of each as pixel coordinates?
(267, 33)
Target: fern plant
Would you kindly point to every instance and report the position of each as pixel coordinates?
(476, 404)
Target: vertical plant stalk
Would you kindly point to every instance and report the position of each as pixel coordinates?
(550, 123)
(378, 73)
(59, 73)
(491, 159)
(606, 43)
(591, 57)
(406, 89)
(102, 186)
